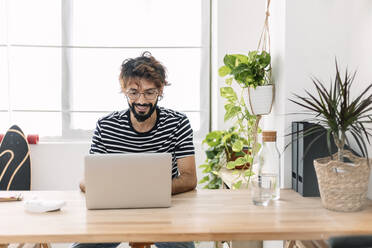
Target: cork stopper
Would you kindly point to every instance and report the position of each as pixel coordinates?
(268, 136)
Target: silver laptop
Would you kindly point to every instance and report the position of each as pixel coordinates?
(135, 180)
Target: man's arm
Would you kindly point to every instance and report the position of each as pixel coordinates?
(187, 180)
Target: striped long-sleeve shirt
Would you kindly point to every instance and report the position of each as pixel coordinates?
(172, 133)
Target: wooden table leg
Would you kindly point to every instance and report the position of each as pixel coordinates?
(289, 244)
(139, 245)
(311, 244)
(321, 243)
(305, 244)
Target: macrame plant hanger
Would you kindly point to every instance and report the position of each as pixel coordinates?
(264, 42)
(263, 45)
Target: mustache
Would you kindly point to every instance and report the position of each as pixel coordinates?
(142, 105)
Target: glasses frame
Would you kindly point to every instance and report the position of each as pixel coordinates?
(144, 95)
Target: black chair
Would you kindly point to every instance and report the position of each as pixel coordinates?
(360, 241)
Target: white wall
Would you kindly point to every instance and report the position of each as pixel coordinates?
(60, 166)
(57, 166)
(307, 37)
(276, 119)
(236, 27)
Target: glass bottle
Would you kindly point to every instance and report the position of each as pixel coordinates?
(269, 161)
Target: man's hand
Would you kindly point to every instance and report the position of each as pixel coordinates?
(187, 180)
(82, 186)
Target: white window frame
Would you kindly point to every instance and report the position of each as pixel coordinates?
(70, 134)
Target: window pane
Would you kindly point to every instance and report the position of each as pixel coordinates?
(95, 84)
(95, 78)
(2, 22)
(183, 66)
(137, 23)
(194, 118)
(44, 124)
(85, 121)
(3, 80)
(35, 22)
(36, 78)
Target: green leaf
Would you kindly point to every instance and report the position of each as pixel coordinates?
(232, 112)
(229, 61)
(252, 55)
(229, 81)
(248, 173)
(204, 179)
(203, 166)
(230, 165)
(240, 161)
(242, 58)
(226, 137)
(214, 135)
(264, 59)
(239, 153)
(229, 106)
(229, 93)
(237, 185)
(223, 71)
(213, 138)
(249, 78)
(237, 146)
(240, 69)
(210, 154)
(216, 173)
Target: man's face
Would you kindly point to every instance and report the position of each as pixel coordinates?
(142, 96)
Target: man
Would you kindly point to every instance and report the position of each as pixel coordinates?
(145, 127)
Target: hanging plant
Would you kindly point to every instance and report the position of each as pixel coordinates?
(248, 71)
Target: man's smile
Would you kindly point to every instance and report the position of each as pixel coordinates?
(141, 108)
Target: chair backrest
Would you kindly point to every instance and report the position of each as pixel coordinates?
(15, 163)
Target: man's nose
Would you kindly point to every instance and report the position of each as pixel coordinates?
(141, 99)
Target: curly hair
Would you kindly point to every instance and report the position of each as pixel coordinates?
(144, 66)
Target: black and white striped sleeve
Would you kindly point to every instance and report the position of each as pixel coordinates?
(184, 143)
(97, 146)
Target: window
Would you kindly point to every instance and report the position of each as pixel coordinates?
(60, 60)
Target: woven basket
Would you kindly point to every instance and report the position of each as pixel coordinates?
(343, 186)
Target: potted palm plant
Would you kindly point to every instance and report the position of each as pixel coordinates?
(343, 178)
(251, 72)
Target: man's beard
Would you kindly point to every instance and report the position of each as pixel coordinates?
(140, 116)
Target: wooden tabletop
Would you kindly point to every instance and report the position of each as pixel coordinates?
(197, 215)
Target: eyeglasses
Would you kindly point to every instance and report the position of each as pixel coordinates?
(149, 95)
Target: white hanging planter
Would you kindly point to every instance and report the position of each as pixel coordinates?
(260, 100)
